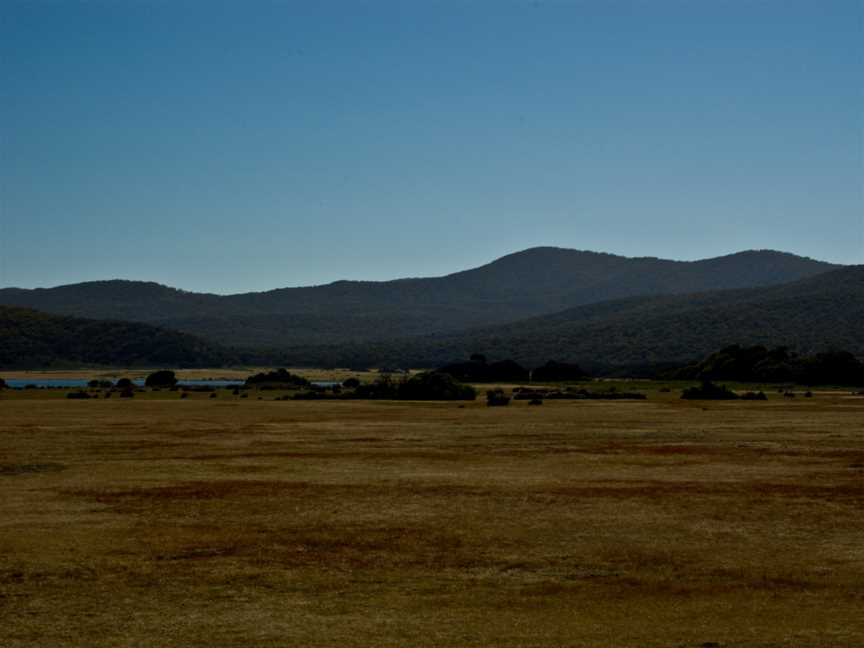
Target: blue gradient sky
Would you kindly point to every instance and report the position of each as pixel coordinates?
(244, 146)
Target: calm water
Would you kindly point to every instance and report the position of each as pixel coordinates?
(82, 382)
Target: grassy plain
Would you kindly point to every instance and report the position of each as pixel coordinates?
(228, 522)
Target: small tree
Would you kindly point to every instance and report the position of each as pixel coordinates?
(163, 378)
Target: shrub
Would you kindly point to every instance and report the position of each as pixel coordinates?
(124, 383)
(754, 396)
(497, 398)
(351, 383)
(162, 378)
(3, 384)
(435, 386)
(709, 391)
(280, 378)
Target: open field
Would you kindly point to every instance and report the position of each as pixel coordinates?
(228, 522)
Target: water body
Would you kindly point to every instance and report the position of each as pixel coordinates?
(82, 382)
(66, 383)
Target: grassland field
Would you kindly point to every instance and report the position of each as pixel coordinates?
(156, 521)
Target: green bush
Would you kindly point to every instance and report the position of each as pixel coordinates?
(162, 378)
(280, 378)
(497, 398)
(709, 391)
(433, 385)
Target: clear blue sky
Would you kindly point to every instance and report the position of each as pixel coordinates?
(233, 146)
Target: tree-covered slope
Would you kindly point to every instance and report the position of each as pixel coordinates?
(809, 316)
(30, 339)
(533, 282)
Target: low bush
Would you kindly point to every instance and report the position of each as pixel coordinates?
(497, 398)
(754, 396)
(161, 378)
(278, 379)
(708, 391)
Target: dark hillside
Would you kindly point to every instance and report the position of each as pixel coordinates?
(533, 282)
(31, 340)
(809, 316)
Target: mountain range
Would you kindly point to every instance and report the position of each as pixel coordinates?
(531, 283)
(810, 315)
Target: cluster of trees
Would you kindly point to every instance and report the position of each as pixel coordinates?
(278, 379)
(778, 365)
(30, 339)
(477, 369)
(429, 385)
(709, 391)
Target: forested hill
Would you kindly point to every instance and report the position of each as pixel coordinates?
(34, 340)
(811, 315)
(533, 282)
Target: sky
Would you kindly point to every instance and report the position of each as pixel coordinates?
(237, 146)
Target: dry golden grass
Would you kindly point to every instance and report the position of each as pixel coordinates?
(151, 522)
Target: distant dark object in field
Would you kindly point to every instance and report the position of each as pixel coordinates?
(709, 391)
(351, 383)
(124, 383)
(161, 378)
(184, 395)
(476, 371)
(213, 395)
(78, 395)
(808, 394)
(535, 401)
(3, 384)
(127, 393)
(789, 394)
(664, 390)
(107, 394)
(96, 384)
(554, 371)
(279, 379)
(244, 395)
(754, 396)
(497, 398)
